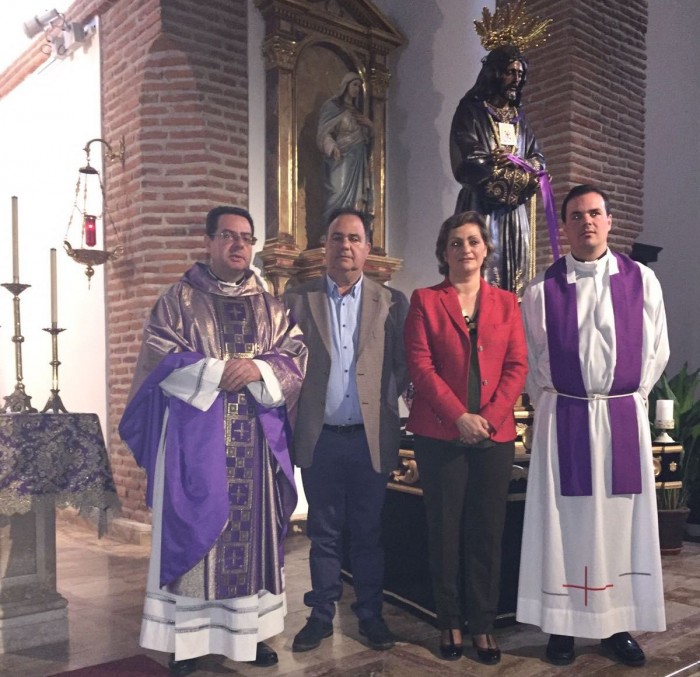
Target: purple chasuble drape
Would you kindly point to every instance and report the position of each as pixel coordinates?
(195, 499)
(573, 437)
(195, 494)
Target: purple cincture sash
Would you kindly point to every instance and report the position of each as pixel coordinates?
(550, 211)
(573, 436)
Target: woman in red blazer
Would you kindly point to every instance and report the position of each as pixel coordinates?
(466, 355)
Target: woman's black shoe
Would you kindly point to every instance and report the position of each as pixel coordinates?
(489, 655)
(451, 651)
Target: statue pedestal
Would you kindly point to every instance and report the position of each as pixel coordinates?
(32, 612)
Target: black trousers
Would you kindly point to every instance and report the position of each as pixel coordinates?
(464, 491)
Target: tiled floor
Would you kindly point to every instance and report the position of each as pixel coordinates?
(104, 581)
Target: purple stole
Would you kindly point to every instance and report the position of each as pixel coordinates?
(573, 438)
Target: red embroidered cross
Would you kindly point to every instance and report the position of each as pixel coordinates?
(585, 587)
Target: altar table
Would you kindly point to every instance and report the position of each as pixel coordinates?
(46, 460)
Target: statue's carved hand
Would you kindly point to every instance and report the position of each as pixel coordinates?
(500, 157)
(362, 119)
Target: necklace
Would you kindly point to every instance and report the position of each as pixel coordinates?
(506, 114)
(470, 320)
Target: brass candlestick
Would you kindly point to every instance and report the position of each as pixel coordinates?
(54, 403)
(19, 402)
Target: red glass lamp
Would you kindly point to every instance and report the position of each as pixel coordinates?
(92, 210)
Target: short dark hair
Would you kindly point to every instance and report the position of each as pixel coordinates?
(213, 218)
(584, 189)
(455, 221)
(351, 211)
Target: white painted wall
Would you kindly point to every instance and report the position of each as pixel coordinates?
(672, 174)
(46, 122)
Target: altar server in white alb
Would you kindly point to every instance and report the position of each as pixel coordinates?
(596, 335)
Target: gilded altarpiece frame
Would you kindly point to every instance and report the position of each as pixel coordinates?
(309, 46)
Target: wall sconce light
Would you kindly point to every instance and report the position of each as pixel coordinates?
(90, 188)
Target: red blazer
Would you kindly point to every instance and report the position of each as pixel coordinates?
(437, 354)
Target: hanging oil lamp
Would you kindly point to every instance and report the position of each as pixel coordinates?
(91, 211)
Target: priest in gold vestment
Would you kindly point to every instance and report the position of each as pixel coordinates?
(209, 417)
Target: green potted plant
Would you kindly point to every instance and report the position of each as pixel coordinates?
(682, 389)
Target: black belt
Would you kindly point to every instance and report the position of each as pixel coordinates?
(354, 428)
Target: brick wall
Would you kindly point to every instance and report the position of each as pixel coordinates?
(174, 84)
(585, 101)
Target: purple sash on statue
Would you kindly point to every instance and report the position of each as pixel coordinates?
(573, 437)
(550, 212)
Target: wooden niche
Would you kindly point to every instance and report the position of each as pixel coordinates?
(310, 48)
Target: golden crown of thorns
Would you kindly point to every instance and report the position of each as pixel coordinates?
(511, 25)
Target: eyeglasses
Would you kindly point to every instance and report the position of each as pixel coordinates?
(227, 236)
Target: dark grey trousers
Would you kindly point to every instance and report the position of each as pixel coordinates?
(465, 491)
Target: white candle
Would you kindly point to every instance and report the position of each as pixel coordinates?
(15, 241)
(54, 295)
(664, 410)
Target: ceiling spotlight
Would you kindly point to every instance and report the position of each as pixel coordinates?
(43, 22)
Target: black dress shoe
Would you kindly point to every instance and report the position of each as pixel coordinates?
(451, 651)
(310, 636)
(625, 648)
(560, 649)
(489, 655)
(265, 656)
(181, 668)
(378, 636)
